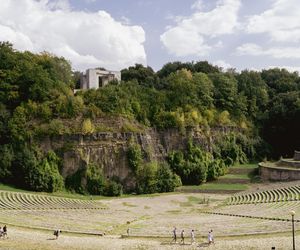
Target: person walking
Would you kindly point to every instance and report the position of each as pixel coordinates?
(174, 235)
(182, 236)
(57, 233)
(4, 231)
(210, 237)
(192, 236)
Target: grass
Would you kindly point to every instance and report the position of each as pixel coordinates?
(127, 204)
(196, 199)
(216, 186)
(236, 176)
(248, 165)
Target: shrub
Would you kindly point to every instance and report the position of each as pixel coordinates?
(146, 178)
(74, 182)
(191, 167)
(215, 169)
(113, 188)
(87, 127)
(95, 181)
(228, 149)
(134, 156)
(167, 181)
(35, 174)
(57, 127)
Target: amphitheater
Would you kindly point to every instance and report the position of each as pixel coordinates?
(258, 218)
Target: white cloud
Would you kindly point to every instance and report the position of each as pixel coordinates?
(59, 4)
(281, 22)
(198, 5)
(275, 52)
(190, 35)
(87, 39)
(224, 65)
(249, 49)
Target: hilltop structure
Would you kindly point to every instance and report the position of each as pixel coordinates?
(97, 78)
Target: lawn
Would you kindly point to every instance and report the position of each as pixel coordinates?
(235, 176)
(248, 165)
(216, 186)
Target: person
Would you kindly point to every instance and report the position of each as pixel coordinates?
(182, 236)
(210, 237)
(1, 232)
(4, 231)
(192, 236)
(128, 231)
(57, 233)
(174, 235)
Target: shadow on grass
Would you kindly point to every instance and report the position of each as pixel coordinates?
(185, 244)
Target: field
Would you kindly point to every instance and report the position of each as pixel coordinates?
(257, 218)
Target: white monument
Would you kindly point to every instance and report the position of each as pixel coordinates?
(97, 78)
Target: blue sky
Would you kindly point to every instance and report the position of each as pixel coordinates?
(241, 34)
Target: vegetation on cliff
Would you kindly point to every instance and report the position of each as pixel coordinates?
(37, 100)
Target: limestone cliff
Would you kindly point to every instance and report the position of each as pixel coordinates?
(109, 149)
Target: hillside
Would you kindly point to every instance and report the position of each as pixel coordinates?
(150, 132)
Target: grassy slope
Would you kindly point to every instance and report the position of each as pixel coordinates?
(232, 186)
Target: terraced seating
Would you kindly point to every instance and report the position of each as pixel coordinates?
(283, 194)
(24, 201)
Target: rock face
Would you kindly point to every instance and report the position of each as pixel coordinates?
(109, 150)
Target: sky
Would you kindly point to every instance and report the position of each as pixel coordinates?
(116, 34)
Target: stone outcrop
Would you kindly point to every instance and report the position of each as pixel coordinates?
(109, 149)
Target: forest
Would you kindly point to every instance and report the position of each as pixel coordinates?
(37, 99)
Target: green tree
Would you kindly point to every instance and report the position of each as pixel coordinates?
(144, 75)
(225, 91)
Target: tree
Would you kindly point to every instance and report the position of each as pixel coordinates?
(143, 75)
(225, 91)
(205, 67)
(253, 87)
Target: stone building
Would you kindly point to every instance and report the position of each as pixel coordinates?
(97, 78)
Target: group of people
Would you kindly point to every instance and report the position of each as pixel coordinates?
(192, 234)
(3, 232)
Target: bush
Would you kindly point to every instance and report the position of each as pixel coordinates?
(167, 181)
(95, 181)
(215, 169)
(134, 156)
(228, 149)
(87, 127)
(35, 174)
(113, 188)
(75, 182)
(146, 178)
(90, 180)
(191, 167)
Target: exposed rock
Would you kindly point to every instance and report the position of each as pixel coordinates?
(109, 149)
